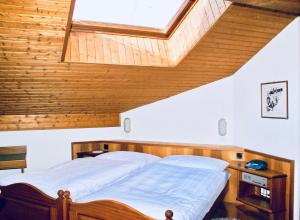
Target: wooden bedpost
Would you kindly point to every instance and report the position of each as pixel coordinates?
(60, 194)
(169, 215)
(67, 195)
(68, 201)
(61, 205)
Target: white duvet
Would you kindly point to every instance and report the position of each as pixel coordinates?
(80, 176)
(189, 192)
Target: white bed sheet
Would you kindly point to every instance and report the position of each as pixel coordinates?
(189, 192)
(80, 176)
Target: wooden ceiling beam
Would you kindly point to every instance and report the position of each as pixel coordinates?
(284, 6)
(57, 121)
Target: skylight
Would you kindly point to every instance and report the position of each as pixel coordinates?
(156, 14)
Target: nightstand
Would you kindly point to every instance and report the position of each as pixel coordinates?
(264, 190)
(89, 154)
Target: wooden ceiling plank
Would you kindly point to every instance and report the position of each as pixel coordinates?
(285, 6)
(57, 121)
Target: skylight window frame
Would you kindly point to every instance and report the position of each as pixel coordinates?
(135, 30)
(147, 32)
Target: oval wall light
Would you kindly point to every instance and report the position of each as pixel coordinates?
(127, 125)
(222, 127)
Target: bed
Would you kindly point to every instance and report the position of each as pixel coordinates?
(186, 186)
(42, 195)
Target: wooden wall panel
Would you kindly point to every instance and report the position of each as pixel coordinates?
(58, 121)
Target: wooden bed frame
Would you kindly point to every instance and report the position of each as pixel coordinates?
(106, 209)
(99, 210)
(114, 210)
(23, 201)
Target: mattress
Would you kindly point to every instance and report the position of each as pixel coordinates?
(188, 192)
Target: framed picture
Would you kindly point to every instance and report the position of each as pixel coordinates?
(274, 100)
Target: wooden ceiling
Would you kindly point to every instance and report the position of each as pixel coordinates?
(111, 48)
(286, 6)
(35, 86)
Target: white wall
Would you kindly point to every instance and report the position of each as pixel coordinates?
(46, 148)
(192, 116)
(279, 60)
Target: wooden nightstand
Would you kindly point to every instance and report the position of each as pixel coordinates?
(264, 190)
(89, 154)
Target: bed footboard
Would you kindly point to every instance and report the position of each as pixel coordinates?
(22, 201)
(107, 210)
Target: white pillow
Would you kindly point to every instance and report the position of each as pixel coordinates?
(195, 162)
(129, 156)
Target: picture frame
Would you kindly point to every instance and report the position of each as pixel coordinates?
(274, 100)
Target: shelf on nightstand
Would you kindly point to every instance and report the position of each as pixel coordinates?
(240, 165)
(251, 184)
(257, 202)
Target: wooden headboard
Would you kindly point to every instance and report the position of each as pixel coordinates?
(227, 153)
(13, 157)
(160, 149)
